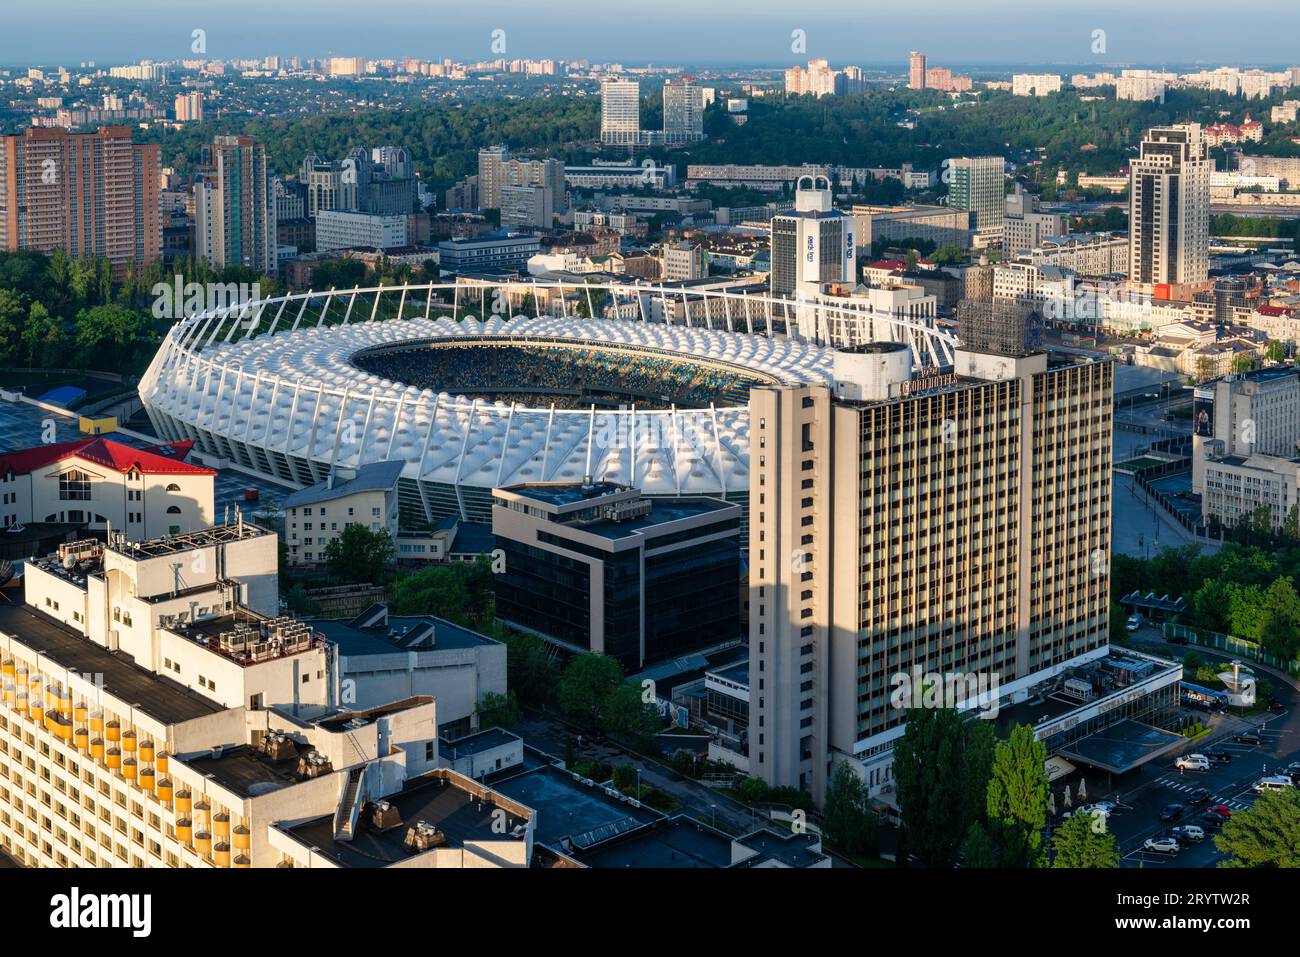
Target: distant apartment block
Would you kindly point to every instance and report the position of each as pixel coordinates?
(90, 194)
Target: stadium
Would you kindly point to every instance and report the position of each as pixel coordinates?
(287, 388)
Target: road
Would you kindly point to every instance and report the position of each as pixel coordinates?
(1142, 794)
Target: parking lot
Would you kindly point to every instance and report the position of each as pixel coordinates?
(1141, 795)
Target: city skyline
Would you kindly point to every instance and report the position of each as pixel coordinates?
(1017, 32)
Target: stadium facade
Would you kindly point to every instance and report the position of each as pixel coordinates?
(285, 388)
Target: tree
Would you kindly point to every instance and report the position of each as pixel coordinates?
(459, 592)
(585, 686)
(359, 554)
(1265, 835)
(1017, 798)
(530, 669)
(498, 710)
(626, 714)
(978, 849)
(1083, 841)
(927, 772)
(847, 819)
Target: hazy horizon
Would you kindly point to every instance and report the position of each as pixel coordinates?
(759, 33)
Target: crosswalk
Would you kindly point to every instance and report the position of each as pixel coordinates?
(1188, 787)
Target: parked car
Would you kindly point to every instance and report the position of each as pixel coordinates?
(1198, 797)
(1172, 812)
(1273, 782)
(1277, 707)
(1192, 762)
(1134, 622)
(1248, 738)
(1210, 819)
(1222, 757)
(1222, 810)
(1161, 845)
(1188, 832)
(1176, 640)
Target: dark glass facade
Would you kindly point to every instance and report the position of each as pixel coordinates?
(691, 594)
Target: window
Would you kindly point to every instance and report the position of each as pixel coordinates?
(173, 509)
(173, 487)
(430, 751)
(74, 486)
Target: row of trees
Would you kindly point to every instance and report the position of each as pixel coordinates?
(57, 311)
(1243, 590)
(966, 796)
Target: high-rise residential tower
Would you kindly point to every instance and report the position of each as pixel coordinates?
(916, 70)
(497, 169)
(1169, 207)
(620, 112)
(91, 194)
(977, 183)
(234, 206)
(683, 110)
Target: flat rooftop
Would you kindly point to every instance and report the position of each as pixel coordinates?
(1123, 746)
(678, 842)
(188, 541)
(401, 633)
(661, 512)
(570, 811)
(154, 694)
(246, 771)
(1106, 674)
(792, 850)
(737, 673)
(478, 743)
(437, 799)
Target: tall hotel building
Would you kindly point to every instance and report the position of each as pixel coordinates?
(957, 522)
(620, 112)
(978, 184)
(813, 243)
(234, 206)
(91, 194)
(1169, 207)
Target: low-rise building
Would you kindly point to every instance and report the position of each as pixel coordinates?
(318, 514)
(98, 482)
(599, 567)
(384, 657)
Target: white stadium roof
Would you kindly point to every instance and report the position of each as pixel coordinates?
(298, 393)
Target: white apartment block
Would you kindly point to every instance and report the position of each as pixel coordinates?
(316, 515)
(345, 229)
(1024, 226)
(620, 112)
(1236, 487)
(1142, 86)
(1035, 84)
(527, 206)
(144, 492)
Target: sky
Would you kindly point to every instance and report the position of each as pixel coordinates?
(1150, 33)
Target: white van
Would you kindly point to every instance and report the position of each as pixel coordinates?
(1274, 782)
(1192, 762)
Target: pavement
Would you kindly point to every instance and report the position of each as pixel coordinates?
(1141, 794)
